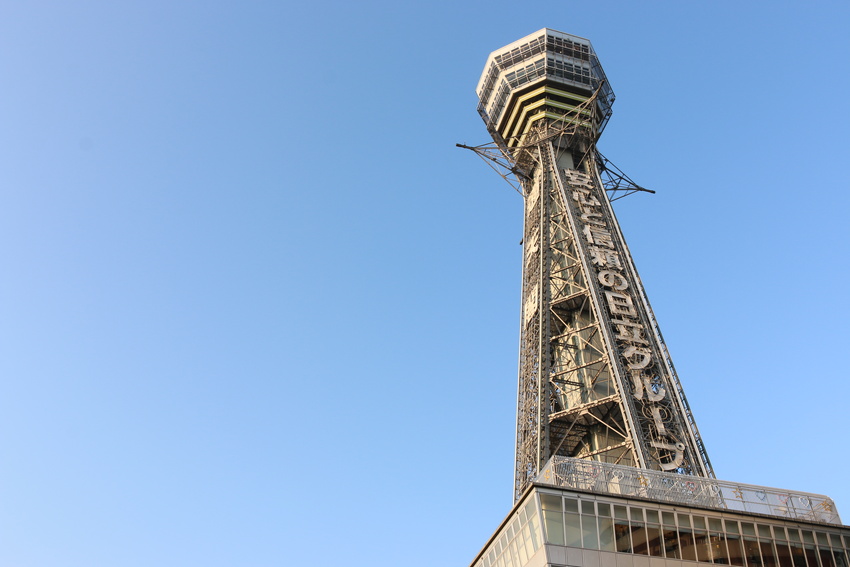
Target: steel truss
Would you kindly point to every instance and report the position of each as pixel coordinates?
(595, 380)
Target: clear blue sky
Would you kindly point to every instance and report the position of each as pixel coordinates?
(256, 309)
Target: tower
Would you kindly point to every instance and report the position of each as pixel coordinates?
(595, 379)
(610, 470)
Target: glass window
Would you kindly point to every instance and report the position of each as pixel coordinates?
(571, 505)
(748, 528)
(636, 514)
(768, 555)
(620, 512)
(811, 554)
(731, 527)
(751, 551)
(654, 542)
(699, 522)
(534, 528)
(530, 510)
(524, 551)
(840, 558)
(671, 543)
(783, 554)
(797, 555)
(669, 518)
(821, 538)
(606, 534)
(521, 516)
(652, 517)
(701, 543)
(510, 554)
(764, 531)
(589, 534)
(825, 556)
(684, 520)
(793, 534)
(717, 542)
(554, 522)
(604, 509)
(686, 545)
(639, 543)
(573, 528)
(715, 525)
(550, 502)
(808, 537)
(587, 507)
(736, 550)
(622, 535)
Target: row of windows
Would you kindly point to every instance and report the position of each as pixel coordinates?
(521, 53)
(676, 535)
(526, 74)
(501, 100)
(567, 47)
(518, 540)
(538, 45)
(492, 75)
(577, 73)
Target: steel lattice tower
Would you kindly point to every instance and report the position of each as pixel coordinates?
(595, 378)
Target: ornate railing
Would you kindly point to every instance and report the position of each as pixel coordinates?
(619, 480)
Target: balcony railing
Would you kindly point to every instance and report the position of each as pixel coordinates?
(620, 480)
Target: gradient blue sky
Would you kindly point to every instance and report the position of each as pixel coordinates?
(256, 309)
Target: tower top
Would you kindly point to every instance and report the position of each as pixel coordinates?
(544, 75)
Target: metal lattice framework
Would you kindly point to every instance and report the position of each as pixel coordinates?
(595, 379)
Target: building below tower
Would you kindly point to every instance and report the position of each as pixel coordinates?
(584, 514)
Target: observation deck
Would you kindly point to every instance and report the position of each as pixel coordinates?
(548, 74)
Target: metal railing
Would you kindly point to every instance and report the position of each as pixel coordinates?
(620, 480)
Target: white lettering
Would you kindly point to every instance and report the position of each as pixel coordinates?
(589, 219)
(644, 387)
(645, 357)
(597, 235)
(604, 258)
(620, 304)
(577, 178)
(613, 280)
(629, 331)
(679, 455)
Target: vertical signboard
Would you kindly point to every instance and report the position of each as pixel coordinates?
(662, 432)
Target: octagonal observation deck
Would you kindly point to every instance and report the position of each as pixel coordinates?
(547, 74)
